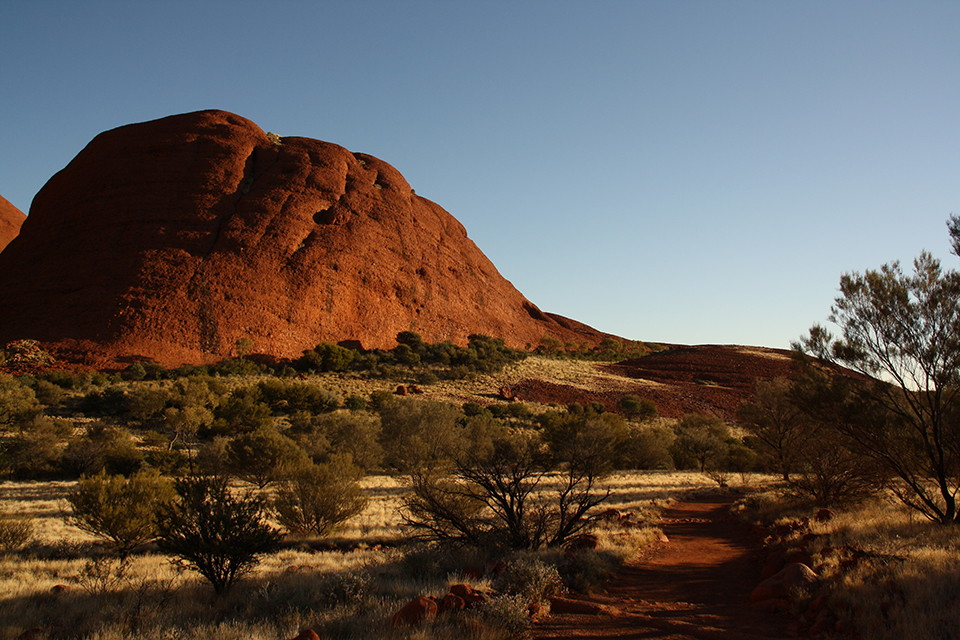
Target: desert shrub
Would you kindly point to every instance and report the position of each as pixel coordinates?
(18, 402)
(529, 578)
(147, 401)
(68, 379)
(220, 535)
(340, 432)
(111, 401)
(103, 447)
(315, 498)
(830, 473)
(213, 458)
(494, 498)
(122, 510)
(648, 447)
(326, 357)
(36, 452)
(637, 408)
(242, 411)
(585, 436)
(288, 397)
(183, 423)
(15, 532)
(135, 371)
(263, 455)
(354, 403)
(48, 393)
(418, 434)
(700, 442)
(170, 462)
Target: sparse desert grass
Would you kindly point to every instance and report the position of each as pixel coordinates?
(340, 594)
(893, 573)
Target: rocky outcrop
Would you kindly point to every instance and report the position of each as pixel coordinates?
(171, 239)
(11, 220)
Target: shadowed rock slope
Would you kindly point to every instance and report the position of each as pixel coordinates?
(11, 219)
(171, 239)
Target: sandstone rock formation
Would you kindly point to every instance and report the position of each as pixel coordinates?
(11, 219)
(172, 239)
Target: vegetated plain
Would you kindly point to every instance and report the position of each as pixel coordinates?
(350, 580)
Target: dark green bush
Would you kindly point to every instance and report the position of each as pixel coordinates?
(220, 535)
(287, 397)
(103, 447)
(35, 452)
(243, 411)
(326, 357)
(637, 408)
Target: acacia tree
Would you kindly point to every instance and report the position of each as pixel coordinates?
(902, 331)
(778, 425)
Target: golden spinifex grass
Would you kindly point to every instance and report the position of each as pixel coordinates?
(65, 585)
(890, 573)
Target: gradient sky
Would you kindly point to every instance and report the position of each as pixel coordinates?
(677, 171)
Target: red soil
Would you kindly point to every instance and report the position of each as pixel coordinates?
(696, 586)
(709, 379)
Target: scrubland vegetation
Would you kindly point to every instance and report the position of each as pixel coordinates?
(319, 493)
(252, 500)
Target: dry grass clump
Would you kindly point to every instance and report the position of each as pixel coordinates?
(888, 572)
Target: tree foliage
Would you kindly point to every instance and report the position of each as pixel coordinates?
(902, 331)
(221, 535)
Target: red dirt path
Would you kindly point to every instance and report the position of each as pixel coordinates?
(695, 587)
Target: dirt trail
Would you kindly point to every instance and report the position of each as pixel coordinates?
(695, 587)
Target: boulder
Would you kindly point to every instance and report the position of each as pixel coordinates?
(415, 612)
(170, 240)
(470, 596)
(785, 583)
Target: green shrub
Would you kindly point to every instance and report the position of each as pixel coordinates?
(103, 447)
(315, 498)
(418, 434)
(354, 403)
(18, 402)
(220, 535)
(637, 408)
(111, 401)
(354, 433)
(263, 455)
(243, 411)
(36, 451)
(326, 357)
(288, 397)
(122, 510)
(649, 447)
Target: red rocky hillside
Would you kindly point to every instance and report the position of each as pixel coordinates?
(11, 219)
(170, 240)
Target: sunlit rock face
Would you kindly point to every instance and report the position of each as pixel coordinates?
(169, 240)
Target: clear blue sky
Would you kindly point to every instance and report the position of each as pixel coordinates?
(675, 171)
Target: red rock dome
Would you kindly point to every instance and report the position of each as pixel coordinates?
(11, 219)
(171, 239)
